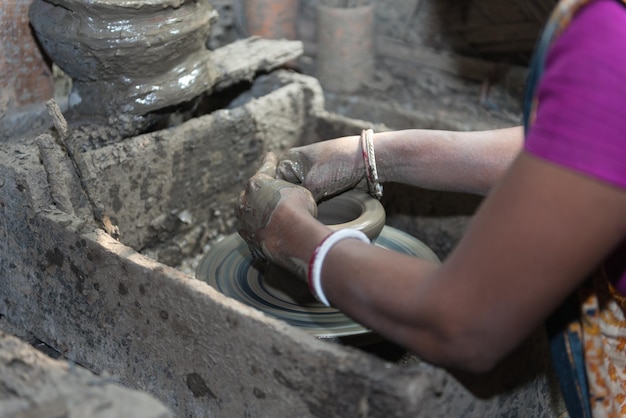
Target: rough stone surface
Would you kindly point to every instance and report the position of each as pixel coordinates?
(33, 385)
(25, 76)
(169, 192)
(111, 309)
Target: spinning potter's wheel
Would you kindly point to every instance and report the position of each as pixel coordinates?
(230, 269)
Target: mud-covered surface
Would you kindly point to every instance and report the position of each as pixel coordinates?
(430, 100)
(112, 67)
(35, 385)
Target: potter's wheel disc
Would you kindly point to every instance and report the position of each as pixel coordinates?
(229, 268)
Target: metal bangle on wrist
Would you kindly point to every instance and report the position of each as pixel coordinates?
(369, 157)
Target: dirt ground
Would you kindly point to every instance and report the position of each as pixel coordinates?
(429, 99)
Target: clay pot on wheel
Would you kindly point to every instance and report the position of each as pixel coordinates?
(230, 268)
(353, 209)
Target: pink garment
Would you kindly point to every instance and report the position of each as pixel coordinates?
(581, 119)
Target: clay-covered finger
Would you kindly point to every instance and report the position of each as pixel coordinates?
(290, 171)
(268, 167)
(240, 205)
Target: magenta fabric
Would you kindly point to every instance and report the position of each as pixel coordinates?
(581, 117)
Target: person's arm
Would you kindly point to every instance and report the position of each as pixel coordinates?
(533, 241)
(447, 160)
(440, 160)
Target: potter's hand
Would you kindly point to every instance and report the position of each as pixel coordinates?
(325, 168)
(258, 212)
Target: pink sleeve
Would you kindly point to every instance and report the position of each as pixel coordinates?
(581, 117)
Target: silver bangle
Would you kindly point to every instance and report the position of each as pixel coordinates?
(369, 157)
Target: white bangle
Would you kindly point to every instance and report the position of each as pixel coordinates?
(319, 254)
(369, 157)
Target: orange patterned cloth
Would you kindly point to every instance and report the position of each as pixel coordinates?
(603, 326)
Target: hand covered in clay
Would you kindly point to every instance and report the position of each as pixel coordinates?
(325, 168)
(259, 203)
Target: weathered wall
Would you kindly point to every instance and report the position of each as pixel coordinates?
(169, 192)
(417, 30)
(493, 28)
(25, 76)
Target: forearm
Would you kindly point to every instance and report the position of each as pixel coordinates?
(389, 292)
(447, 160)
(401, 297)
(353, 274)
